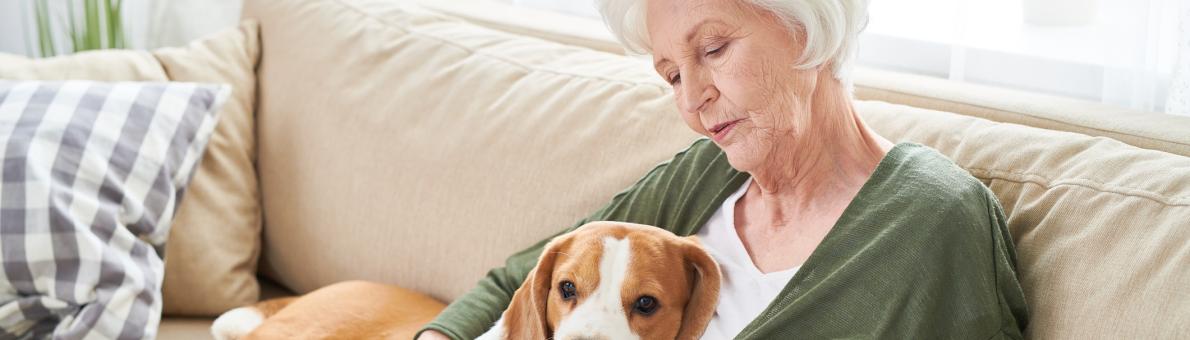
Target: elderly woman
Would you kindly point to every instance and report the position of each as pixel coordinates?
(822, 228)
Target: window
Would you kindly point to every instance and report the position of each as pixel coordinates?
(1119, 52)
(1123, 52)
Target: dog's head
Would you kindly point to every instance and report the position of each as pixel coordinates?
(613, 280)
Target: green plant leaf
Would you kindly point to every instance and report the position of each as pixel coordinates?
(99, 26)
(76, 38)
(115, 25)
(45, 38)
(92, 38)
(120, 43)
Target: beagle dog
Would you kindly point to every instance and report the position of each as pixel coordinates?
(605, 280)
(615, 281)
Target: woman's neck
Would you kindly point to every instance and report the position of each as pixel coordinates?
(820, 171)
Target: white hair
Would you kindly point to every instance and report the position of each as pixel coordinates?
(831, 28)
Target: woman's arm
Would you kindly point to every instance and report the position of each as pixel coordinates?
(430, 334)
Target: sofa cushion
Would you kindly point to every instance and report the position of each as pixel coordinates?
(110, 65)
(412, 149)
(1101, 227)
(215, 240)
(213, 266)
(186, 328)
(91, 176)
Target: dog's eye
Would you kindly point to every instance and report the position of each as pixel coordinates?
(646, 305)
(568, 290)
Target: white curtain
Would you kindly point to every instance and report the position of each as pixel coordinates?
(1119, 52)
(1179, 90)
(583, 8)
(177, 22)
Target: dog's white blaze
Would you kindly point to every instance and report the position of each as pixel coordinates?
(602, 314)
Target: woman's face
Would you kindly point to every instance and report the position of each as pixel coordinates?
(731, 66)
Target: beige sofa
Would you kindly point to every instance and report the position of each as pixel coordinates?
(421, 144)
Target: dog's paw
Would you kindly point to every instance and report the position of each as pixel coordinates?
(236, 323)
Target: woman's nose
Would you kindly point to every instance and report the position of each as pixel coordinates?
(697, 93)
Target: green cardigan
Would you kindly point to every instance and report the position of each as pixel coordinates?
(922, 252)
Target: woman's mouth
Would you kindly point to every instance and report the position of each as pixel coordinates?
(719, 131)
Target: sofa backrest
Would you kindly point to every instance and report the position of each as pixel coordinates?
(1101, 227)
(410, 148)
(416, 149)
(1149, 130)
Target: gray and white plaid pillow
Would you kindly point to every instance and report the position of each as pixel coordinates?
(92, 173)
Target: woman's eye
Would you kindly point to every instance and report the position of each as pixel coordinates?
(674, 79)
(646, 305)
(716, 50)
(567, 290)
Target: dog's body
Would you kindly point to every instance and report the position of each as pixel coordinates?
(605, 280)
(345, 310)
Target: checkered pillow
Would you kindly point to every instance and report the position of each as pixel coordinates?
(91, 175)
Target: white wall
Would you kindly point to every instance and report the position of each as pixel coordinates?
(177, 22)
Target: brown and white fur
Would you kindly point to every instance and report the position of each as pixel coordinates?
(345, 310)
(612, 265)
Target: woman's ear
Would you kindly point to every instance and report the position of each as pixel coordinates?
(704, 291)
(526, 316)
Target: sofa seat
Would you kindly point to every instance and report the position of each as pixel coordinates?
(199, 328)
(185, 328)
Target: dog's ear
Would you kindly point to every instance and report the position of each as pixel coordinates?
(526, 316)
(704, 291)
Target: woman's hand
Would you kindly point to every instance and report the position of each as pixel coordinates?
(431, 334)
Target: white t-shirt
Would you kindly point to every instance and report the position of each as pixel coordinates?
(744, 291)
